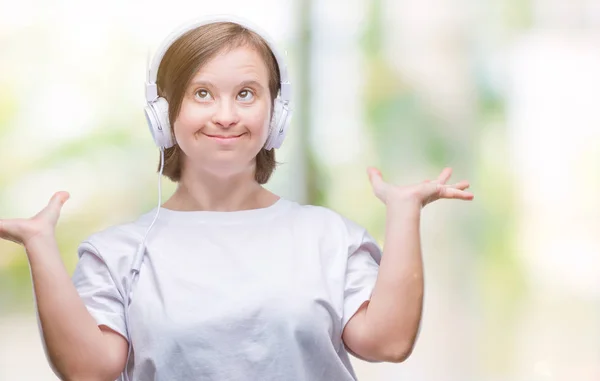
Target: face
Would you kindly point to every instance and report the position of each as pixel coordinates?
(224, 117)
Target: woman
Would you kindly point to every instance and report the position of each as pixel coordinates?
(234, 282)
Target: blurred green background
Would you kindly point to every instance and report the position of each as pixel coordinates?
(503, 91)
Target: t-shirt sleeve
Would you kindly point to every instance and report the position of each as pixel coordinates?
(97, 288)
(364, 257)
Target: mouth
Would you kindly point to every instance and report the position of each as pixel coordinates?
(224, 138)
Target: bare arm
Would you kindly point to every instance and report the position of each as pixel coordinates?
(386, 327)
(76, 347)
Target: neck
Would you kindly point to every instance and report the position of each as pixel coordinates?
(204, 191)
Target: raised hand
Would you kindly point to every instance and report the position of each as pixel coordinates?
(22, 230)
(423, 193)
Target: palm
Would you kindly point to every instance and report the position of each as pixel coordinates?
(22, 230)
(424, 193)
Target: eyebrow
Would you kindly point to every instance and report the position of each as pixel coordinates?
(247, 83)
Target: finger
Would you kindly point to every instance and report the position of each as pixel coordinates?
(376, 182)
(52, 210)
(445, 175)
(453, 193)
(375, 177)
(7, 227)
(59, 199)
(462, 185)
(4, 227)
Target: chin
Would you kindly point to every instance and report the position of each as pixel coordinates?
(220, 161)
(225, 166)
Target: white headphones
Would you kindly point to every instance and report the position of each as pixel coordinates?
(157, 109)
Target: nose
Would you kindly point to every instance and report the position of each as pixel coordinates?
(225, 114)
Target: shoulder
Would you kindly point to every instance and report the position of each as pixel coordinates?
(332, 222)
(322, 215)
(116, 243)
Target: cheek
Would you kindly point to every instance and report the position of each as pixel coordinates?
(189, 119)
(257, 121)
(186, 114)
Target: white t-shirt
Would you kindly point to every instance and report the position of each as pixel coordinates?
(259, 294)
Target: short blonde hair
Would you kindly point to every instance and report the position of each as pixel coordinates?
(182, 61)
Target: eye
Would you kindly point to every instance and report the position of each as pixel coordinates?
(203, 95)
(246, 95)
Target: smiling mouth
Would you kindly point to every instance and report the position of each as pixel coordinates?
(224, 137)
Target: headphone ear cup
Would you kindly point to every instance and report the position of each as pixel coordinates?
(279, 125)
(157, 116)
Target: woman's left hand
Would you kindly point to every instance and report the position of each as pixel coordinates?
(423, 193)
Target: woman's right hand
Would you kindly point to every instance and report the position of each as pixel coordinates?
(76, 348)
(22, 230)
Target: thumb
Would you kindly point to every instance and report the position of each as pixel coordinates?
(52, 211)
(374, 176)
(59, 199)
(377, 182)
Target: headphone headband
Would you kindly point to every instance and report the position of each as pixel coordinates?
(151, 88)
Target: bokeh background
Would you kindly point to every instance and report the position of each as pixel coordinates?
(506, 92)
